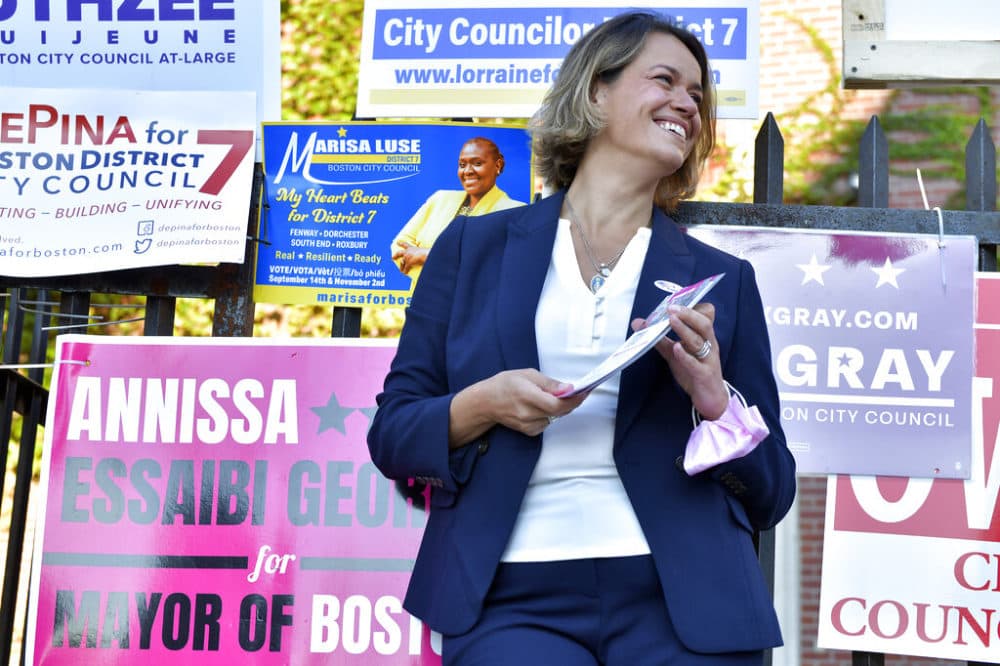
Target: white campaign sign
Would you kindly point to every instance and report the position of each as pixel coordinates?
(102, 180)
(232, 45)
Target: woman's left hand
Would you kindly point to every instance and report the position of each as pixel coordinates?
(701, 378)
(411, 255)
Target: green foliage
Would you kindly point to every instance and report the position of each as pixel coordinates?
(937, 136)
(320, 51)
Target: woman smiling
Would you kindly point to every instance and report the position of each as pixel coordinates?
(479, 164)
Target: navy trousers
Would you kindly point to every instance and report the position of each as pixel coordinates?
(590, 612)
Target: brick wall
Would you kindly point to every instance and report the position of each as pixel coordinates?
(791, 69)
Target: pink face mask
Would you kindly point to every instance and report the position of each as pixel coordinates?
(733, 435)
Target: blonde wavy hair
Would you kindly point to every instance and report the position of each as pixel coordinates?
(569, 118)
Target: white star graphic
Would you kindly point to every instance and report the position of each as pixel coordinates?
(813, 271)
(887, 274)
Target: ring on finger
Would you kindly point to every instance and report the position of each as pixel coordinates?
(704, 350)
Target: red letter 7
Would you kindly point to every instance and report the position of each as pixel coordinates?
(239, 141)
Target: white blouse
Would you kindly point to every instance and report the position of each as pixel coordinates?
(575, 506)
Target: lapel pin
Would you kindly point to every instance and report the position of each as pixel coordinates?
(667, 286)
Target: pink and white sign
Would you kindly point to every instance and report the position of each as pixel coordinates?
(912, 566)
(212, 501)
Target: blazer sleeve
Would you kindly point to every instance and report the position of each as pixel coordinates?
(408, 437)
(763, 481)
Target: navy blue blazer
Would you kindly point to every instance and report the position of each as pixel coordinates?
(472, 316)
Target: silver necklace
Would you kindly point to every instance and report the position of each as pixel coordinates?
(603, 268)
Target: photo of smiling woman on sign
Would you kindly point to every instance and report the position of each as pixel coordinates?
(480, 163)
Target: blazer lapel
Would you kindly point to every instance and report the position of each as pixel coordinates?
(524, 265)
(668, 258)
(523, 268)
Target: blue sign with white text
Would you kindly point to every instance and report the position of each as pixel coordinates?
(352, 209)
(483, 59)
(533, 32)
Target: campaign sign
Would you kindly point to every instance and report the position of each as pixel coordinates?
(96, 181)
(871, 338)
(212, 501)
(912, 566)
(439, 58)
(207, 45)
(342, 198)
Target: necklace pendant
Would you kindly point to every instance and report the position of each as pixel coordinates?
(596, 282)
(604, 270)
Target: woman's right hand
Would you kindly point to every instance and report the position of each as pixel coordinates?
(522, 400)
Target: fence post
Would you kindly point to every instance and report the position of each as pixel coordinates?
(769, 163)
(234, 305)
(981, 195)
(34, 414)
(873, 167)
(40, 337)
(981, 184)
(346, 322)
(160, 312)
(867, 659)
(768, 188)
(11, 351)
(873, 192)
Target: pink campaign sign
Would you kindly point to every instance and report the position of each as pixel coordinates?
(212, 501)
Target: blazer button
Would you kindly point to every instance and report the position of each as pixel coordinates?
(484, 446)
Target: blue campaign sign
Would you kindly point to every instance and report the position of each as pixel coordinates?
(352, 208)
(480, 58)
(533, 32)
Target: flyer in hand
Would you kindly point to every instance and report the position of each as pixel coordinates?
(657, 326)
